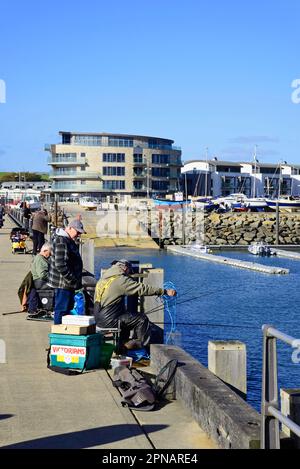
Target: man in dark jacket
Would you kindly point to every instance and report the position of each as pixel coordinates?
(65, 268)
(39, 229)
(26, 215)
(109, 305)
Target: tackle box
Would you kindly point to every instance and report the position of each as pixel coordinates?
(71, 351)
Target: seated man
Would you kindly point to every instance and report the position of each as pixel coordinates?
(39, 270)
(109, 304)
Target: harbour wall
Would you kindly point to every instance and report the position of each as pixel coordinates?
(241, 228)
(223, 415)
(245, 228)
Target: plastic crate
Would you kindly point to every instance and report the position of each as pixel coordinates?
(70, 351)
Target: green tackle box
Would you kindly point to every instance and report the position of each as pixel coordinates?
(76, 351)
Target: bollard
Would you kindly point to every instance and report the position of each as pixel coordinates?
(290, 407)
(227, 359)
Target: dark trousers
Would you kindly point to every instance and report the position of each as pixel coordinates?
(33, 301)
(63, 303)
(136, 322)
(38, 240)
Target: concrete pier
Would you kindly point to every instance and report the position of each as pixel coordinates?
(288, 254)
(227, 261)
(43, 409)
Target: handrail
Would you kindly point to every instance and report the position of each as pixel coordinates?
(270, 413)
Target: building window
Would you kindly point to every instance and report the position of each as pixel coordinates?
(160, 185)
(158, 158)
(158, 145)
(61, 171)
(113, 157)
(161, 172)
(138, 184)
(65, 157)
(89, 140)
(229, 169)
(138, 158)
(114, 185)
(83, 155)
(113, 171)
(120, 142)
(83, 182)
(138, 171)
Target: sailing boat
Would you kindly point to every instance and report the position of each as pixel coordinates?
(283, 201)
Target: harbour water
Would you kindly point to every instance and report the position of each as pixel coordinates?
(217, 302)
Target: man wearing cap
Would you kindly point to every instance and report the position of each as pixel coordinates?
(65, 268)
(109, 304)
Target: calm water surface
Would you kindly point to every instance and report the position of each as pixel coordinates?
(234, 303)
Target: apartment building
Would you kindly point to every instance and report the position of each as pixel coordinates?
(105, 164)
(220, 178)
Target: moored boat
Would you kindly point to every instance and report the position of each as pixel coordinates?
(260, 249)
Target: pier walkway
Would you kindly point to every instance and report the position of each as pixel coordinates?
(43, 409)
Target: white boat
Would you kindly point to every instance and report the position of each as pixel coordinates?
(260, 249)
(284, 202)
(14, 197)
(201, 248)
(88, 203)
(241, 201)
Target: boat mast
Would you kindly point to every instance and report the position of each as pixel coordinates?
(254, 182)
(206, 171)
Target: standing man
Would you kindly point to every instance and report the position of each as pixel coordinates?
(39, 229)
(65, 268)
(26, 215)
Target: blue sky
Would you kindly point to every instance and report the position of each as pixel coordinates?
(205, 73)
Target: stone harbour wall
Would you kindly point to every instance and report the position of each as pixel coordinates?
(231, 228)
(245, 228)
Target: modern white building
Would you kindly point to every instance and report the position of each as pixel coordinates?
(220, 178)
(116, 165)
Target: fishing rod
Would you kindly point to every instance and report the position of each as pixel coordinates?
(209, 325)
(13, 312)
(157, 308)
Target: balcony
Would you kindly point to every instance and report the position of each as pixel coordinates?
(60, 161)
(75, 175)
(73, 187)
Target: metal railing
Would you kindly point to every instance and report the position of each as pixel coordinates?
(270, 413)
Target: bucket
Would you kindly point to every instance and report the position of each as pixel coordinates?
(105, 354)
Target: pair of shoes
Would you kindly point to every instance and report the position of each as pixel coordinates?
(133, 344)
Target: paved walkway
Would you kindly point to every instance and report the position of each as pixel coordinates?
(42, 409)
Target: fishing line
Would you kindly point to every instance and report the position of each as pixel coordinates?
(170, 308)
(211, 325)
(157, 308)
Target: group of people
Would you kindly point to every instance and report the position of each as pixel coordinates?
(58, 265)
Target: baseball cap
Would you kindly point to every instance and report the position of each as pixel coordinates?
(124, 262)
(77, 225)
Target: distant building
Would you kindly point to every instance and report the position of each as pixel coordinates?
(221, 178)
(36, 185)
(104, 164)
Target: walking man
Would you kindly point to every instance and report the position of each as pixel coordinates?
(65, 268)
(39, 229)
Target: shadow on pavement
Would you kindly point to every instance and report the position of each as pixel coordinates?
(86, 438)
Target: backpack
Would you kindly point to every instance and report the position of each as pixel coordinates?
(136, 391)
